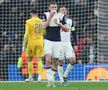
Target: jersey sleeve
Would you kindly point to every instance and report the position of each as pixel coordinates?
(26, 31)
(63, 20)
(26, 28)
(44, 17)
(25, 37)
(43, 31)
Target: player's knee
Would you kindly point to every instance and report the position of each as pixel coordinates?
(48, 58)
(72, 60)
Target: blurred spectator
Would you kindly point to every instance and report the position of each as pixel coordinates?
(1, 1)
(91, 28)
(24, 6)
(34, 3)
(40, 6)
(8, 56)
(5, 59)
(88, 52)
(96, 9)
(100, 58)
(80, 15)
(78, 51)
(3, 40)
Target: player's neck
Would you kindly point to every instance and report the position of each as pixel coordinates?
(34, 16)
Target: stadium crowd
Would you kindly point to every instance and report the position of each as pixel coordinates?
(13, 14)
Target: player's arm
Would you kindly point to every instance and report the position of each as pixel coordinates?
(25, 39)
(62, 24)
(63, 27)
(46, 21)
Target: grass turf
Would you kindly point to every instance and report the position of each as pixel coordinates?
(42, 86)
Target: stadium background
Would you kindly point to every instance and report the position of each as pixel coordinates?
(91, 32)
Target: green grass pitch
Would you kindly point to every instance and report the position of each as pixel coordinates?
(42, 86)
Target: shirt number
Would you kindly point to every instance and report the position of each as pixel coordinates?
(38, 28)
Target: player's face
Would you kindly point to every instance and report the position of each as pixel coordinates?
(53, 7)
(63, 10)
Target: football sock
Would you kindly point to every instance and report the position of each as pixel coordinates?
(68, 69)
(40, 67)
(54, 74)
(30, 69)
(60, 73)
(49, 74)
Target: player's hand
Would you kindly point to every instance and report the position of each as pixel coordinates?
(52, 13)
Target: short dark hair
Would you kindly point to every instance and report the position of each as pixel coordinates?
(52, 2)
(62, 6)
(34, 11)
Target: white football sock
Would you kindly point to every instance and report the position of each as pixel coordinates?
(53, 73)
(60, 73)
(49, 74)
(68, 69)
(39, 78)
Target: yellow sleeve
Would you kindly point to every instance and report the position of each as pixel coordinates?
(26, 34)
(26, 30)
(43, 31)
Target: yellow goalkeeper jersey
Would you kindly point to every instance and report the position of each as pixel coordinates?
(34, 32)
(34, 29)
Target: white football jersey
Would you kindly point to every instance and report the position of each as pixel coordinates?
(66, 36)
